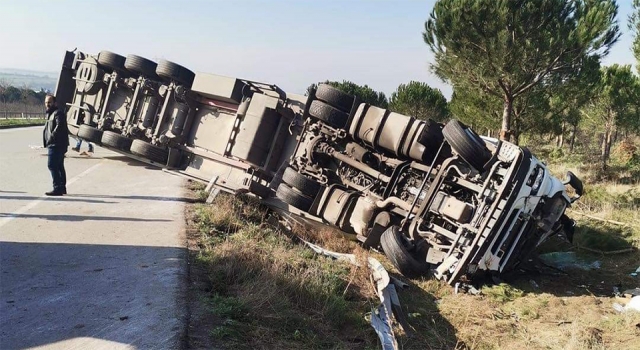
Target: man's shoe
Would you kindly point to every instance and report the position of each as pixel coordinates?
(64, 190)
(54, 193)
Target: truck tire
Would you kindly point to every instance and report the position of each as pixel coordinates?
(175, 72)
(335, 97)
(293, 197)
(260, 190)
(111, 60)
(330, 115)
(431, 138)
(394, 246)
(115, 140)
(300, 182)
(149, 151)
(90, 134)
(467, 144)
(140, 65)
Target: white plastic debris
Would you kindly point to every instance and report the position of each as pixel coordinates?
(381, 316)
(635, 273)
(632, 305)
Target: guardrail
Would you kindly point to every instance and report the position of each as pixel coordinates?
(22, 115)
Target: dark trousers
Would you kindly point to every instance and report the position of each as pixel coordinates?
(56, 166)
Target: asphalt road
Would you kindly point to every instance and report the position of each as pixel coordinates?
(100, 268)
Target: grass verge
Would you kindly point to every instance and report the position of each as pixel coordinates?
(20, 122)
(255, 286)
(259, 289)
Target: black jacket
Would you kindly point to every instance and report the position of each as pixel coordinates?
(56, 133)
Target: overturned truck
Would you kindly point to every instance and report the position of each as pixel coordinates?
(436, 198)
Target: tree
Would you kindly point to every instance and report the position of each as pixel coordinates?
(364, 92)
(634, 26)
(420, 100)
(12, 94)
(614, 105)
(548, 108)
(523, 44)
(480, 111)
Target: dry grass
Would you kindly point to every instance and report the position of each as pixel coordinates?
(612, 195)
(541, 321)
(265, 291)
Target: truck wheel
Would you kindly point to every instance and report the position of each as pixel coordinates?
(466, 143)
(431, 138)
(394, 245)
(300, 182)
(115, 140)
(141, 66)
(111, 60)
(293, 197)
(149, 151)
(90, 134)
(175, 72)
(260, 190)
(330, 115)
(335, 97)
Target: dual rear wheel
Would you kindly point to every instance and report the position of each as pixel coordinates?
(297, 189)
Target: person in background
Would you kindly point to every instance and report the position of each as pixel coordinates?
(55, 138)
(79, 143)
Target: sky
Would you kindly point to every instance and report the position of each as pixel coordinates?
(288, 43)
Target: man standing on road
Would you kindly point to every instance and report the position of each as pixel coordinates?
(56, 140)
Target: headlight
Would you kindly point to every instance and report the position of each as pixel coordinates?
(537, 180)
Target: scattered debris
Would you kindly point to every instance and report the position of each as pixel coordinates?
(467, 288)
(534, 284)
(563, 260)
(122, 318)
(635, 273)
(381, 319)
(616, 291)
(632, 305)
(632, 292)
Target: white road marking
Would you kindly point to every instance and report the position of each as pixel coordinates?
(33, 203)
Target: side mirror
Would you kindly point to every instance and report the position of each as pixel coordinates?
(573, 181)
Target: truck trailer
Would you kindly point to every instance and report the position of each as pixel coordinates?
(438, 199)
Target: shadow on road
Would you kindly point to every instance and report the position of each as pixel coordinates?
(145, 198)
(78, 218)
(87, 296)
(61, 199)
(11, 191)
(131, 162)
(87, 198)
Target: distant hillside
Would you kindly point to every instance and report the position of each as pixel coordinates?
(35, 80)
